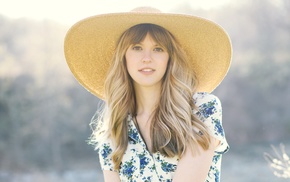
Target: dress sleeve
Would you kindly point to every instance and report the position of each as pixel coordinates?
(209, 110)
(105, 156)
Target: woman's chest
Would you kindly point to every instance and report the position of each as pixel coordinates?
(139, 165)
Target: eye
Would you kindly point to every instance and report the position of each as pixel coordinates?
(158, 49)
(136, 48)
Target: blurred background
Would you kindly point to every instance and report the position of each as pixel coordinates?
(45, 113)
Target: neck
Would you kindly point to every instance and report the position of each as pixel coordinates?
(147, 99)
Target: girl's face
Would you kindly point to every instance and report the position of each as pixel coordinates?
(147, 62)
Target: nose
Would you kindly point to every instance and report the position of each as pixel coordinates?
(147, 57)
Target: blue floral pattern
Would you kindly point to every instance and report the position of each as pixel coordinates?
(140, 165)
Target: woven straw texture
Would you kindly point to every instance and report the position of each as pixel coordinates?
(89, 46)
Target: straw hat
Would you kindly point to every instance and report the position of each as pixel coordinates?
(90, 43)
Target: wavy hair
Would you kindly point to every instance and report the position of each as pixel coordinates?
(174, 127)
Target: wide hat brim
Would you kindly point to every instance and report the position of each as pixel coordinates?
(89, 46)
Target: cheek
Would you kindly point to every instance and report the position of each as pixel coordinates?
(165, 63)
(129, 58)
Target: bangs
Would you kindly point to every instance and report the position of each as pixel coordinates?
(137, 34)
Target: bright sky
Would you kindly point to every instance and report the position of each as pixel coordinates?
(70, 11)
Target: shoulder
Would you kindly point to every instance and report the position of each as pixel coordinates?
(204, 96)
(207, 108)
(203, 100)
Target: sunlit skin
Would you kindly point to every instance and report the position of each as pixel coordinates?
(147, 63)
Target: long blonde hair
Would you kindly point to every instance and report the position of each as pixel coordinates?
(174, 127)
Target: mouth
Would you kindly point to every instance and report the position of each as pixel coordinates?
(147, 70)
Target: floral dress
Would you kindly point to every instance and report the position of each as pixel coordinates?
(138, 164)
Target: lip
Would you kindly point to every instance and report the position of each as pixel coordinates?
(146, 71)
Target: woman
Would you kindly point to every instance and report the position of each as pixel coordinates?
(155, 73)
